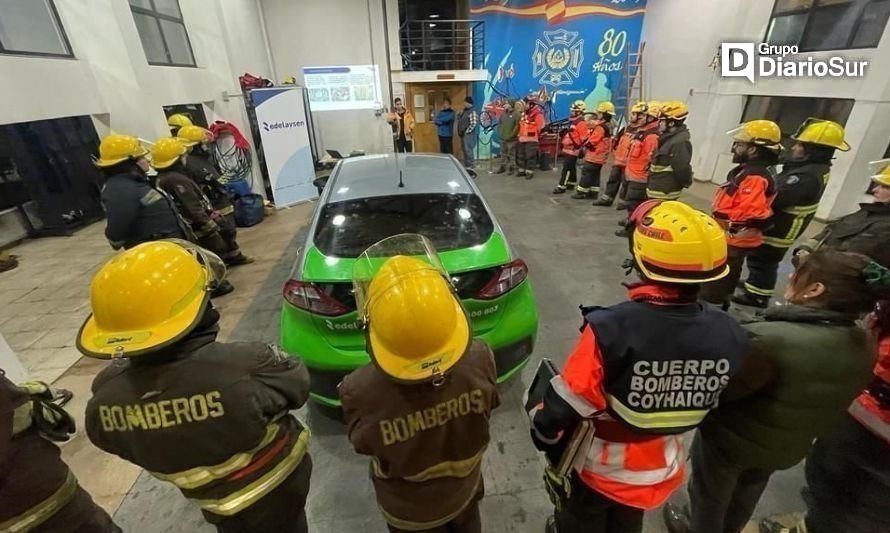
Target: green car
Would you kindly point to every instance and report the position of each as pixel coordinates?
(370, 198)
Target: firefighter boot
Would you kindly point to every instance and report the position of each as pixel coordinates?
(751, 300)
(529, 174)
(501, 169)
(222, 288)
(676, 519)
(581, 195)
(603, 200)
(559, 190)
(771, 526)
(520, 172)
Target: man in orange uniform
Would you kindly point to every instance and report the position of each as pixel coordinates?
(642, 146)
(596, 150)
(646, 371)
(529, 128)
(616, 185)
(572, 142)
(743, 203)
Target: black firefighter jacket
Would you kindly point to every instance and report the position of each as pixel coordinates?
(866, 231)
(138, 212)
(799, 189)
(670, 170)
(212, 418)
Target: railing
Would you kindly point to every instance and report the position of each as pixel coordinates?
(442, 44)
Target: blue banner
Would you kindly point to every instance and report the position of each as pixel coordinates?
(573, 49)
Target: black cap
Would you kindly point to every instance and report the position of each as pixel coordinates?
(469, 100)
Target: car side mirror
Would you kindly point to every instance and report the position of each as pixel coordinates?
(472, 173)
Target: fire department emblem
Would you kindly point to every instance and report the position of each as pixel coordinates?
(557, 59)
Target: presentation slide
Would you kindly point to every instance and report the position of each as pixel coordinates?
(342, 88)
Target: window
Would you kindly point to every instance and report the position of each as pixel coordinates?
(32, 27)
(162, 32)
(828, 24)
(789, 112)
(451, 221)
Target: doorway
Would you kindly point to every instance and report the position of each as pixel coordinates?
(425, 100)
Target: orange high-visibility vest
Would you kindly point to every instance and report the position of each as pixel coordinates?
(598, 144)
(573, 140)
(866, 409)
(622, 149)
(642, 146)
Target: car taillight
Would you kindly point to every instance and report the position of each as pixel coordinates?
(307, 296)
(504, 280)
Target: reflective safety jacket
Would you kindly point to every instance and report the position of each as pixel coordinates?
(743, 204)
(622, 146)
(38, 492)
(647, 371)
(200, 168)
(872, 407)
(670, 170)
(642, 146)
(136, 212)
(211, 418)
(598, 144)
(573, 140)
(426, 442)
(530, 125)
(799, 189)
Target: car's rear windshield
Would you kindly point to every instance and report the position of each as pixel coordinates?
(451, 221)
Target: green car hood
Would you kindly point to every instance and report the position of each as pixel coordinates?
(494, 252)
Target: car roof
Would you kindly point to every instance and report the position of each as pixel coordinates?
(378, 175)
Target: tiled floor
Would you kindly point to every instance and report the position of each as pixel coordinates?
(571, 254)
(48, 297)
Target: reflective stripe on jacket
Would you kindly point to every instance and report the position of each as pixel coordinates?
(598, 144)
(642, 146)
(573, 140)
(665, 381)
(743, 204)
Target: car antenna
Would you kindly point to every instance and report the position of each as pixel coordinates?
(401, 183)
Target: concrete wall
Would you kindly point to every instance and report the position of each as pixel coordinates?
(111, 80)
(681, 44)
(336, 32)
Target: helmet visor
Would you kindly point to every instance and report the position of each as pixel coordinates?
(880, 170)
(371, 260)
(212, 264)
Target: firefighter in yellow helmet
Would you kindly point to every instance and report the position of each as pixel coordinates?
(421, 409)
(596, 150)
(214, 419)
(167, 157)
(177, 121)
(136, 210)
(573, 139)
(645, 373)
(38, 492)
(616, 184)
(743, 205)
(670, 170)
(200, 168)
(799, 189)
